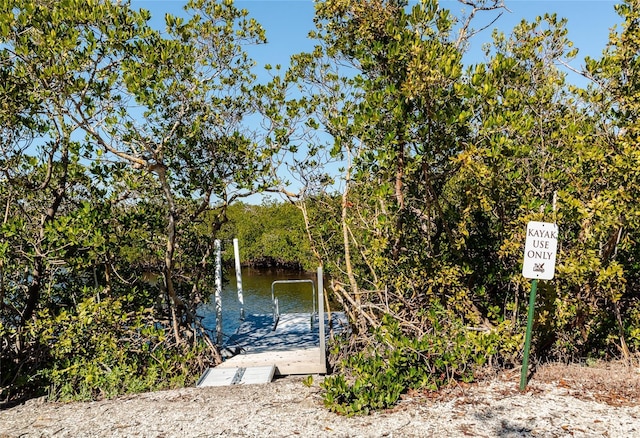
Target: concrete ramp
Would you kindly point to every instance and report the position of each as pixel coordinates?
(219, 376)
(287, 362)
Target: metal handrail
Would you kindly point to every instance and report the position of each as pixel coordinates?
(276, 312)
(274, 299)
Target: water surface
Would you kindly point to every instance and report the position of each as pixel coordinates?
(256, 286)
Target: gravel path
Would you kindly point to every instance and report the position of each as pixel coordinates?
(285, 408)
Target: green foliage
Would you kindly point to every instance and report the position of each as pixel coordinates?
(379, 374)
(124, 149)
(122, 146)
(308, 381)
(100, 349)
(444, 167)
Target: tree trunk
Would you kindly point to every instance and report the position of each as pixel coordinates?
(35, 285)
(347, 245)
(399, 182)
(175, 303)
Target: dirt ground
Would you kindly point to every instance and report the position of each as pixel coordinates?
(613, 383)
(560, 401)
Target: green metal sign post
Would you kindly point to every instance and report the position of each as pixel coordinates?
(527, 339)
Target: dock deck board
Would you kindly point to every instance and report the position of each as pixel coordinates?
(293, 347)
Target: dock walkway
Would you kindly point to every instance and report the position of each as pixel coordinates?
(256, 352)
(277, 344)
(294, 347)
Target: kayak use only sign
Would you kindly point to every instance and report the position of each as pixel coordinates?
(540, 251)
(539, 264)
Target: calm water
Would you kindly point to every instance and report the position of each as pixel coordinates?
(256, 287)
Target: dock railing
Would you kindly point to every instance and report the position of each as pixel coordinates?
(276, 306)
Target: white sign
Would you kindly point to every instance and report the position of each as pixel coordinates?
(540, 250)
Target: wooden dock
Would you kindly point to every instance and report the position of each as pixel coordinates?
(293, 348)
(277, 344)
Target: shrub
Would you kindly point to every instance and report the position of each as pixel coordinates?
(394, 362)
(101, 350)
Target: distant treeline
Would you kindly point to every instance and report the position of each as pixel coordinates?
(270, 235)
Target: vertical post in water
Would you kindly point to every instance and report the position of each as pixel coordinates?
(321, 332)
(236, 254)
(527, 339)
(218, 293)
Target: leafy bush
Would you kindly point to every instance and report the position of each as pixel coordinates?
(376, 376)
(100, 349)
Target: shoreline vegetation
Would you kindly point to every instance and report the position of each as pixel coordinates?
(273, 264)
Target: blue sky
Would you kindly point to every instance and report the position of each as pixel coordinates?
(287, 23)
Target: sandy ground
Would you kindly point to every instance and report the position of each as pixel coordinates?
(559, 401)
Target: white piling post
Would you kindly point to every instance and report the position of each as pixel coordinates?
(218, 293)
(323, 348)
(236, 253)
